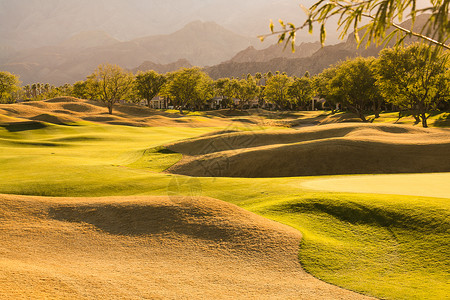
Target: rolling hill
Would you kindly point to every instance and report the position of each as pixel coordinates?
(327, 150)
(154, 234)
(149, 247)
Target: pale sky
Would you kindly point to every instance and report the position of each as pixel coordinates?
(28, 23)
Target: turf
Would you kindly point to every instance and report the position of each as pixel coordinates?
(317, 150)
(427, 185)
(149, 247)
(382, 245)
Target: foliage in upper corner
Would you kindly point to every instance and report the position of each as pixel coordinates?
(382, 17)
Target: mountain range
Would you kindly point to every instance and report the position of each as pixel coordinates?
(221, 52)
(201, 43)
(38, 23)
(297, 66)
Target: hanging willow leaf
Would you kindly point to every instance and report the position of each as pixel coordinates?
(323, 34)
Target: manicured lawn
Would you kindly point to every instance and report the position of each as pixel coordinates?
(389, 246)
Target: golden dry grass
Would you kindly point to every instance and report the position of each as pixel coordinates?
(148, 247)
(324, 150)
(68, 110)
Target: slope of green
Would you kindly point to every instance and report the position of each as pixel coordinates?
(394, 247)
(436, 119)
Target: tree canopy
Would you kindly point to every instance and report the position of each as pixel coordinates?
(188, 87)
(413, 78)
(148, 85)
(354, 84)
(301, 91)
(9, 84)
(110, 83)
(277, 90)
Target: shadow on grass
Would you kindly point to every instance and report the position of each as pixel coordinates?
(135, 220)
(24, 126)
(354, 213)
(443, 121)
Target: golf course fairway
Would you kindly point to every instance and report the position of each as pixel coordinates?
(62, 240)
(427, 185)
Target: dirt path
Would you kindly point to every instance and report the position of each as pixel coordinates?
(149, 247)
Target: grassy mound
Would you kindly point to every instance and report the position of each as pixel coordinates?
(365, 242)
(68, 110)
(325, 150)
(143, 247)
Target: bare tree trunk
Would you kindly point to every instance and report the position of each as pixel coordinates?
(377, 110)
(359, 112)
(362, 116)
(424, 120)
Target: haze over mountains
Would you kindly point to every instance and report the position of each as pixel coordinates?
(200, 43)
(37, 23)
(61, 42)
(297, 66)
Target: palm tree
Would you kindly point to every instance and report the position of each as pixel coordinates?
(258, 77)
(27, 90)
(46, 89)
(34, 90)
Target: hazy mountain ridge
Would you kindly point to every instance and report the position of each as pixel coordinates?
(89, 39)
(198, 43)
(314, 64)
(201, 43)
(275, 51)
(37, 23)
(163, 68)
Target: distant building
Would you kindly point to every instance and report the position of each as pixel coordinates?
(160, 103)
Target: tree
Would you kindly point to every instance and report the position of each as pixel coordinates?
(223, 87)
(81, 90)
(414, 78)
(27, 91)
(245, 90)
(354, 84)
(379, 17)
(110, 83)
(149, 84)
(258, 77)
(321, 85)
(301, 92)
(188, 87)
(277, 90)
(9, 84)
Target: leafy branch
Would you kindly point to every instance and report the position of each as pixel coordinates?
(380, 14)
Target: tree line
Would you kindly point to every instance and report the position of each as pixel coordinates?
(414, 79)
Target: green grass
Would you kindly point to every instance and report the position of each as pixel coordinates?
(436, 119)
(394, 247)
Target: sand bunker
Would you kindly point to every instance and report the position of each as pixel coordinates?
(148, 247)
(320, 150)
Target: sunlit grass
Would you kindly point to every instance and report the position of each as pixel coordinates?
(388, 246)
(436, 119)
